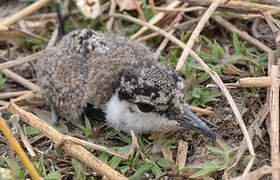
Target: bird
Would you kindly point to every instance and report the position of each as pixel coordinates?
(115, 79)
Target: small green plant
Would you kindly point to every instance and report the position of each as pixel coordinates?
(226, 156)
(22, 174)
(217, 55)
(19, 173)
(138, 174)
(255, 62)
(34, 44)
(134, 167)
(147, 11)
(80, 174)
(52, 175)
(87, 128)
(2, 81)
(200, 96)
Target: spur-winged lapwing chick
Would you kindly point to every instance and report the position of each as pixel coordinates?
(117, 77)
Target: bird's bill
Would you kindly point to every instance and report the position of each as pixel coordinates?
(190, 120)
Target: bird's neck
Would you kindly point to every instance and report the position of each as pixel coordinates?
(104, 81)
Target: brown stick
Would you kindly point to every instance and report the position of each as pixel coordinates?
(76, 151)
(259, 82)
(8, 95)
(244, 4)
(3, 103)
(26, 11)
(180, 9)
(110, 22)
(274, 124)
(20, 80)
(201, 110)
(182, 151)
(257, 174)
(255, 82)
(155, 19)
(23, 60)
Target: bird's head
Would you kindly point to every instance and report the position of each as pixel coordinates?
(151, 97)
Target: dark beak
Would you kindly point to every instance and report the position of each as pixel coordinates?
(190, 120)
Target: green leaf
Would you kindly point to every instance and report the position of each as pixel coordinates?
(208, 57)
(87, 129)
(196, 93)
(115, 161)
(182, 36)
(216, 150)
(2, 81)
(123, 137)
(88, 126)
(163, 60)
(218, 50)
(141, 144)
(104, 157)
(206, 169)
(76, 166)
(53, 176)
(41, 166)
(135, 160)
(173, 58)
(80, 175)
(141, 170)
(147, 11)
(124, 169)
(208, 41)
(156, 170)
(236, 44)
(164, 163)
(19, 172)
(31, 131)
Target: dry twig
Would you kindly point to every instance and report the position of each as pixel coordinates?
(10, 74)
(182, 154)
(274, 124)
(110, 22)
(249, 5)
(155, 19)
(23, 60)
(196, 33)
(257, 174)
(190, 9)
(201, 110)
(88, 144)
(8, 95)
(139, 10)
(259, 82)
(25, 12)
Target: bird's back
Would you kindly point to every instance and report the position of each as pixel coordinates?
(85, 67)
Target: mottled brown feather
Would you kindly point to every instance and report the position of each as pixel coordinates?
(86, 67)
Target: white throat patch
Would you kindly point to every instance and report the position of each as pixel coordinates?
(125, 116)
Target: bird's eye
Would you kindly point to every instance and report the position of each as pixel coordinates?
(143, 107)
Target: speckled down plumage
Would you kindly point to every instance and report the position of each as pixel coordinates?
(88, 67)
